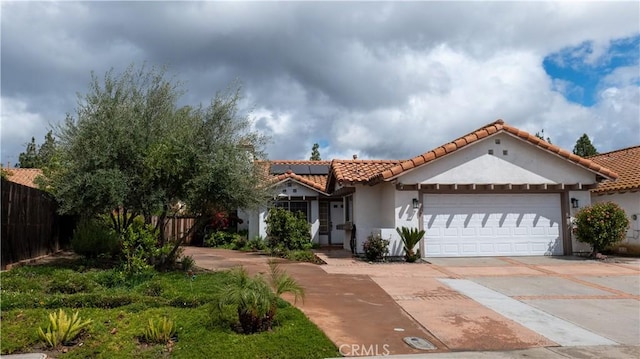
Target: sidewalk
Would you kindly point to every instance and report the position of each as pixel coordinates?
(589, 352)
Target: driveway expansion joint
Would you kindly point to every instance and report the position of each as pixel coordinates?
(556, 329)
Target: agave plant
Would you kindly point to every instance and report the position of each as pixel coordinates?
(256, 297)
(160, 331)
(62, 328)
(410, 238)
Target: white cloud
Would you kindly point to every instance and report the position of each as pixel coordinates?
(381, 80)
(18, 125)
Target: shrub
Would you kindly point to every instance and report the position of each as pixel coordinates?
(287, 231)
(94, 237)
(111, 278)
(601, 225)
(410, 238)
(239, 242)
(160, 331)
(375, 248)
(187, 263)
(301, 256)
(256, 298)
(70, 282)
(256, 244)
(142, 252)
(62, 328)
(219, 239)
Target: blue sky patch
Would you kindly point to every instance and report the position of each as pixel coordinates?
(577, 71)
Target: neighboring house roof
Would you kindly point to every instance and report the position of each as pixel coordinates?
(23, 176)
(488, 130)
(626, 162)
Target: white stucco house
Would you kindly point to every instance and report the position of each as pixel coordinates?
(496, 191)
(625, 191)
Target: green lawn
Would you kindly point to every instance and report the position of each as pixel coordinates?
(120, 314)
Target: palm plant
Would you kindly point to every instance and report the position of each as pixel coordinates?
(410, 238)
(256, 298)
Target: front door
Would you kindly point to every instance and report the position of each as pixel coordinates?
(336, 214)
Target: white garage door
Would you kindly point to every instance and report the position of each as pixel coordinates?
(469, 225)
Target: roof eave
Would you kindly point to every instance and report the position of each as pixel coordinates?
(290, 178)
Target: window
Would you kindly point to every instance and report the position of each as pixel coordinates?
(295, 207)
(324, 217)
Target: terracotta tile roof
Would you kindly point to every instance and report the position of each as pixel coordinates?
(24, 176)
(317, 182)
(353, 171)
(626, 162)
(488, 130)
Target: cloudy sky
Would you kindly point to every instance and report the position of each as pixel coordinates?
(381, 80)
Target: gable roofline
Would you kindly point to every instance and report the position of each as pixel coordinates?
(626, 162)
(481, 133)
(297, 178)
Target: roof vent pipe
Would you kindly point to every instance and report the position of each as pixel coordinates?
(355, 157)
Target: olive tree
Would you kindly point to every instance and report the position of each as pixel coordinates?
(130, 150)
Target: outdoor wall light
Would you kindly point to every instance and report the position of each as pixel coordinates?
(575, 203)
(416, 204)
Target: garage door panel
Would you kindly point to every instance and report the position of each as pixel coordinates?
(451, 232)
(485, 232)
(539, 231)
(468, 232)
(504, 247)
(469, 247)
(521, 231)
(486, 224)
(486, 248)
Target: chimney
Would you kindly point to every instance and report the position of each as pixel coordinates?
(355, 157)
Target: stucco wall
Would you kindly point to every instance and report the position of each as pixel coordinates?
(387, 203)
(584, 200)
(523, 163)
(630, 203)
(366, 212)
(395, 210)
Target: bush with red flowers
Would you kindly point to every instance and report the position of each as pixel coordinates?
(601, 225)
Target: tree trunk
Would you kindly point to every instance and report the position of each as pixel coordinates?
(160, 226)
(200, 222)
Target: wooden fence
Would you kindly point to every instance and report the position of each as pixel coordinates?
(30, 225)
(176, 227)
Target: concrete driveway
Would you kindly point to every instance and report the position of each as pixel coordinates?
(506, 303)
